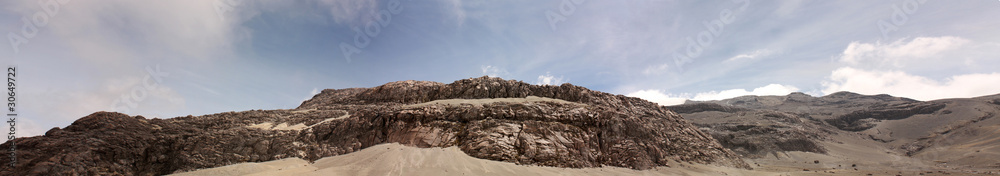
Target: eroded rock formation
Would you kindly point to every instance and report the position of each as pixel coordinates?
(562, 126)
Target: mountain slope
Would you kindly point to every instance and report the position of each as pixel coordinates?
(489, 118)
(931, 135)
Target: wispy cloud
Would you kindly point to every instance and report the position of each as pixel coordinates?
(351, 12)
(312, 93)
(656, 69)
(120, 31)
(459, 11)
(749, 56)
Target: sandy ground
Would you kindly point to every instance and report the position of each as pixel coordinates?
(395, 159)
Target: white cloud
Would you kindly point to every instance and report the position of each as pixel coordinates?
(772, 89)
(897, 52)
(311, 94)
(118, 31)
(457, 8)
(548, 79)
(492, 71)
(898, 83)
(657, 96)
(314, 91)
(656, 69)
(749, 56)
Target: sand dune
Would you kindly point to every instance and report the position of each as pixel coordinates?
(396, 159)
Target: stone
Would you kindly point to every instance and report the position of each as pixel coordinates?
(584, 129)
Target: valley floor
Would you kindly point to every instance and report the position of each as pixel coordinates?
(396, 159)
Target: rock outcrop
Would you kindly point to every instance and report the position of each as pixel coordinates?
(755, 133)
(866, 119)
(489, 118)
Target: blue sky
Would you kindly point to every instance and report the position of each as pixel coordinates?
(174, 58)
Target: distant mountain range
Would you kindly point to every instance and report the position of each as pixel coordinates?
(892, 131)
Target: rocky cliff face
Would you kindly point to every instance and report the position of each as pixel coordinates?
(490, 118)
(756, 133)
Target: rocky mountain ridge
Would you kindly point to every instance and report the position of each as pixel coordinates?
(561, 126)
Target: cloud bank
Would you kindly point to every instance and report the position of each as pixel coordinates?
(898, 53)
(898, 83)
(664, 99)
(876, 68)
(548, 79)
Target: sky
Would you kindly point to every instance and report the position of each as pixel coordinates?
(164, 59)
